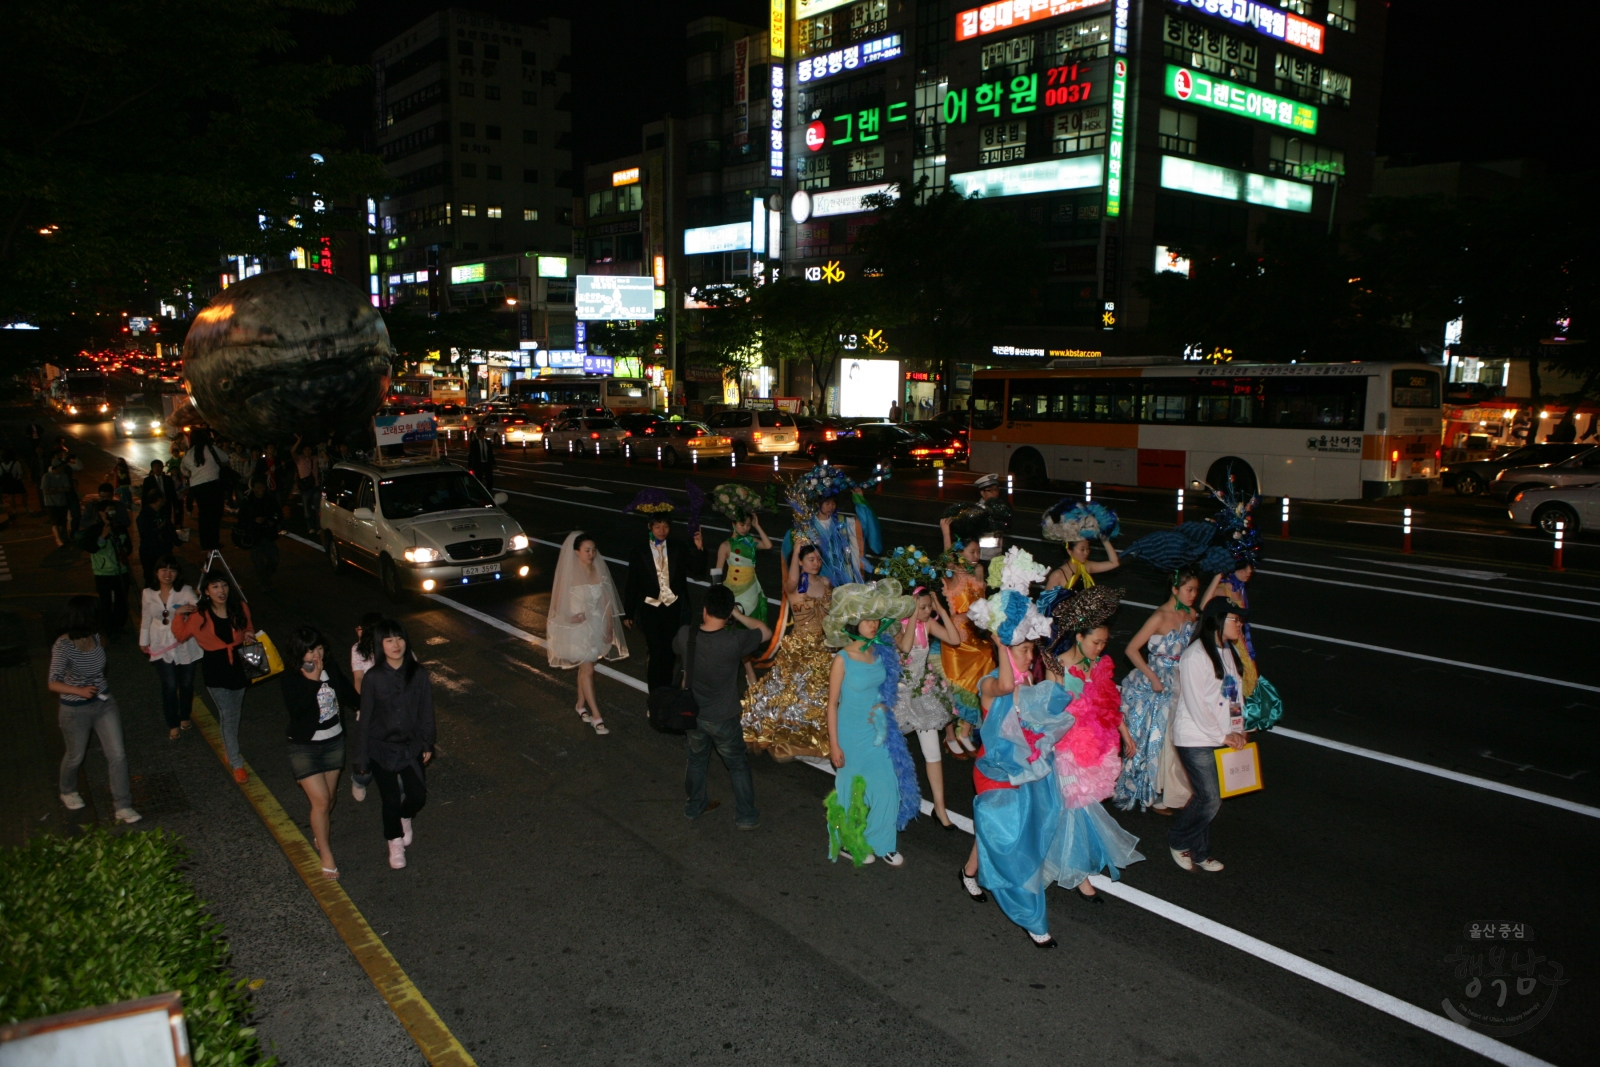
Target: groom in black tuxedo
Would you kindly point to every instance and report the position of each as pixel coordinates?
(657, 598)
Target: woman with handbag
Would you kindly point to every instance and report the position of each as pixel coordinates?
(582, 625)
(1208, 714)
(174, 659)
(395, 740)
(312, 695)
(220, 625)
(78, 678)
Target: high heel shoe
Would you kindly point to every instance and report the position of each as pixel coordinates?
(970, 886)
(1088, 898)
(947, 827)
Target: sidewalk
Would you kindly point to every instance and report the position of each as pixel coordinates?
(316, 1005)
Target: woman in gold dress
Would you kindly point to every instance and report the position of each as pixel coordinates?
(786, 712)
(966, 664)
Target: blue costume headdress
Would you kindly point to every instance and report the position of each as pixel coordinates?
(1071, 521)
(1226, 542)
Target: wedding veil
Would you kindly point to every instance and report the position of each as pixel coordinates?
(599, 633)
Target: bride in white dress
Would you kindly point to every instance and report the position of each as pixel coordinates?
(582, 624)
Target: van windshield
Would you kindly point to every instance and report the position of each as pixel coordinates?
(411, 495)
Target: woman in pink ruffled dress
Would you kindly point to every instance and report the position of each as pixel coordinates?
(1087, 756)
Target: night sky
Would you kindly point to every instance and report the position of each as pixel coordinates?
(1464, 79)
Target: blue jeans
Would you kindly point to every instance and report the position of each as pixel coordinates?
(1191, 827)
(77, 723)
(728, 737)
(177, 690)
(230, 707)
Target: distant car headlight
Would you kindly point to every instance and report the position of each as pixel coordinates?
(156, 425)
(71, 410)
(104, 408)
(519, 542)
(422, 555)
(130, 426)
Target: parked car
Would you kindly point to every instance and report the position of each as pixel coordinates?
(586, 436)
(1574, 506)
(871, 444)
(509, 427)
(942, 436)
(137, 420)
(419, 525)
(757, 431)
(1579, 470)
(684, 442)
(815, 433)
(643, 424)
(1473, 478)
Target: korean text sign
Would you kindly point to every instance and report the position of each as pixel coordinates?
(1196, 87)
(603, 296)
(403, 429)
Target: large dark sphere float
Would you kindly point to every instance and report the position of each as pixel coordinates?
(291, 352)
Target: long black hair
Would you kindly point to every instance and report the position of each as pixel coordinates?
(387, 628)
(83, 618)
(367, 645)
(1212, 641)
(199, 441)
(235, 602)
(304, 640)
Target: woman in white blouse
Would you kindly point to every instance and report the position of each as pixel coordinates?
(175, 661)
(1208, 714)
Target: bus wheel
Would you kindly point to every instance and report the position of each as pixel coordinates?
(1028, 467)
(1244, 478)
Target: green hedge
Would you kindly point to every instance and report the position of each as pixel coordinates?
(99, 918)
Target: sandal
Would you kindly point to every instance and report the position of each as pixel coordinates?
(331, 873)
(599, 727)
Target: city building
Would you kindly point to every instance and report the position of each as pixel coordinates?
(474, 122)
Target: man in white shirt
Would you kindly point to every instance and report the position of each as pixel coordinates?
(1209, 714)
(657, 596)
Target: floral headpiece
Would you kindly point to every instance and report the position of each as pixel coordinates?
(852, 603)
(1011, 616)
(908, 565)
(653, 503)
(1071, 521)
(740, 502)
(1016, 570)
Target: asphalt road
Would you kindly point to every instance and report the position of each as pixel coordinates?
(558, 908)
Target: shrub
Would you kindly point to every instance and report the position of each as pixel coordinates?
(99, 918)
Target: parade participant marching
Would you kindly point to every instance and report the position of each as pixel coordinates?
(875, 792)
(923, 703)
(656, 600)
(582, 623)
(736, 557)
(785, 713)
(1208, 714)
(844, 540)
(1074, 525)
(1088, 840)
(966, 662)
(1017, 810)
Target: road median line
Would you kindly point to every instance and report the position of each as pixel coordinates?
(432, 1037)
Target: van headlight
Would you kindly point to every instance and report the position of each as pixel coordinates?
(422, 555)
(519, 542)
(130, 426)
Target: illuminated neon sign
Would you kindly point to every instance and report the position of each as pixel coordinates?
(1119, 123)
(1204, 179)
(625, 177)
(1046, 176)
(1070, 83)
(466, 275)
(1195, 87)
(841, 60)
(780, 20)
(995, 18)
(1266, 20)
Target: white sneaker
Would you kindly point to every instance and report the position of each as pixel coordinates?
(128, 815)
(894, 859)
(397, 854)
(846, 854)
(1182, 859)
(1210, 865)
(72, 800)
(405, 832)
(358, 793)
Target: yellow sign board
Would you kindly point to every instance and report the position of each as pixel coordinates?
(780, 22)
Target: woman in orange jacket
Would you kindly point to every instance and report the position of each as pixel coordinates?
(220, 625)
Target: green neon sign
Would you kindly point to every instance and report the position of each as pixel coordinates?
(1119, 121)
(1195, 87)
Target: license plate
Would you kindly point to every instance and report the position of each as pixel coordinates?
(482, 568)
(938, 463)
(781, 438)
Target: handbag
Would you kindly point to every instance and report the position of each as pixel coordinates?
(673, 709)
(260, 658)
(1238, 770)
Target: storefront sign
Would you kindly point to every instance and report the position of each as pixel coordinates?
(1205, 179)
(1196, 87)
(1046, 176)
(825, 202)
(1266, 19)
(565, 359)
(1119, 123)
(844, 60)
(1076, 353)
(606, 296)
(598, 364)
(551, 266)
(777, 84)
(625, 177)
(704, 240)
(466, 274)
(1070, 83)
(994, 18)
(829, 272)
(1012, 350)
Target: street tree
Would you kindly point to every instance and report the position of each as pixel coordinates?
(800, 321)
(144, 140)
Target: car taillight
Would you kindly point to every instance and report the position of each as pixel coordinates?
(756, 436)
(829, 435)
(920, 451)
(594, 436)
(627, 433)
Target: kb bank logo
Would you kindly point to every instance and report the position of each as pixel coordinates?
(829, 273)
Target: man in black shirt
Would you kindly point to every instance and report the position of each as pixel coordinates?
(656, 598)
(714, 677)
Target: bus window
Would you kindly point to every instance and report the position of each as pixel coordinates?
(1167, 400)
(1414, 389)
(1313, 404)
(988, 403)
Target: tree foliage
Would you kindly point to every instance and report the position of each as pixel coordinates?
(143, 139)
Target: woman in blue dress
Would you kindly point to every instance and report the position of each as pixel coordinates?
(872, 799)
(1148, 688)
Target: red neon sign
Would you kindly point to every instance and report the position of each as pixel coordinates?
(993, 18)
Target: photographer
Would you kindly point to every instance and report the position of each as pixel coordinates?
(104, 535)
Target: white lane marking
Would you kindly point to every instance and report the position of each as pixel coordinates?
(1475, 601)
(1457, 571)
(576, 488)
(1500, 590)
(516, 631)
(1525, 539)
(1407, 655)
(1454, 776)
(1437, 1025)
(597, 507)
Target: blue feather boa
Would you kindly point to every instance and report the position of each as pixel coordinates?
(905, 772)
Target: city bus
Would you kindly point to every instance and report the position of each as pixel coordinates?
(443, 394)
(1320, 431)
(544, 398)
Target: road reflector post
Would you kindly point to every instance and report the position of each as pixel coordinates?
(569, 446)
(627, 452)
(1011, 485)
(658, 455)
(694, 457)
(940, 472)
(1406, 529)
(1561, 536)
(1180, 507)
(597, 450)
(774, 464)
(733, 460)
(1286, 518)
(1088, 492)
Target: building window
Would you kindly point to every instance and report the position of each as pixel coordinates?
(469, 129)
(494, 173)
(1342, 15)
(928, 125)
(530, 136)
(469, 170)
(1303, 160)
(492, 132)
(1308, 81)
(469, 211)
(530, 214)
(1090, 39)
(491, 92)
(1081, 130)
(927, 174)
(529, 97)
(466, 89)
(1204, 47)
(492, 211)
(1299, 7)
(814, 171)
(531, 176)
(1179, 130)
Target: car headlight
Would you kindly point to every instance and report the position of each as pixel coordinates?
(155, 425)
(422, 555)
(130, 426)
(519, 542)
(71, 410)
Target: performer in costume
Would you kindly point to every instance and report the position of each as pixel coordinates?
(736, 557)
(876, 791)
(844, 540)
(965, 663)
(581, 625)
(1263, 707)
(924, 702)
(785, 712)
(1017, 810)
(1074, 525)
(657, 594)
(1088, 840)
(1148, 689)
